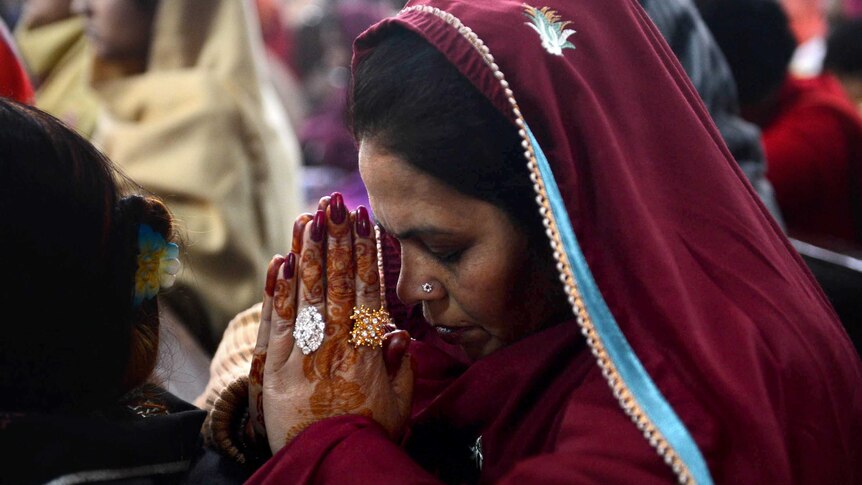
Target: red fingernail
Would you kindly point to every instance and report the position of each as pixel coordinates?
(290, 266)
(272, 274)
(318, 226)
(337, 211)
(363, 223)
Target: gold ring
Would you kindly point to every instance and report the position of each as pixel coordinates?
(369, 326)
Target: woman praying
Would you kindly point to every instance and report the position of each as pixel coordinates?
(593, 290)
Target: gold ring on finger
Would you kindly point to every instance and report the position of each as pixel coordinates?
(369, 326)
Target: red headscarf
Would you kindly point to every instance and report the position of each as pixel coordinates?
(14, 82)
(692, 300)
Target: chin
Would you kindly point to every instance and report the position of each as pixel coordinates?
(478, 351)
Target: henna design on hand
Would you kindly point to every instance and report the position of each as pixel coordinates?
(366, 269)
(283, 301)
(311, 272)
(337, 378)
(340, 273)
(255, 377)
(336, 394)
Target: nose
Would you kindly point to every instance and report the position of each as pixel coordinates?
(417, 282)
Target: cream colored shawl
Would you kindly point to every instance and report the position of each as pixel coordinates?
(58, 58)
(201, 130)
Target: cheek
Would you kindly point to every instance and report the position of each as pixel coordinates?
(490, 292)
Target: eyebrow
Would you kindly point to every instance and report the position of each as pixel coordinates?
(414, 232)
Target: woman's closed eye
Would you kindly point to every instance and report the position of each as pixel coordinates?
(445, 255)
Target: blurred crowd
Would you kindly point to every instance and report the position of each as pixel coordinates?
(796, 66)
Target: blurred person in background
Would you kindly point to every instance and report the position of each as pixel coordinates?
(309, 43)
(56, 52)
(324, 56)
(811, 130)
(844, 57)
(685, 32)
(808, 23)
(86, 263)
(278, 32)
(187, 112)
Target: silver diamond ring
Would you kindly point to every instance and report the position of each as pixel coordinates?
(427, 287)
(309, 330)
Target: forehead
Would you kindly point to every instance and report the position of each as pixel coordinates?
(403, 197)
(384, 172)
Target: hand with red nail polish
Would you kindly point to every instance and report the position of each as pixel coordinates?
(333, 271)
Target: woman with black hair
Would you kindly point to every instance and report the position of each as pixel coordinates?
(85, 263)
(595, 293)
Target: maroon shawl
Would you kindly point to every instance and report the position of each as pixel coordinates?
(715, 350)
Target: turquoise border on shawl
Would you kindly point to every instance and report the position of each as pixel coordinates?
(629, 366)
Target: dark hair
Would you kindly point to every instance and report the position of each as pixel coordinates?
(408, 98)
(756, 39)
(844, 49)
(69, 241)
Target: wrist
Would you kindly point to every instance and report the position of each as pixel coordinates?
(230, 431)
(255, 450)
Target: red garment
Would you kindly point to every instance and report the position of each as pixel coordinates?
(708, 296)
(814, 150)
(14, 82)
(526, 404)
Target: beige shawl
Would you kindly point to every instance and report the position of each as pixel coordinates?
(201, 130)
(57, 56)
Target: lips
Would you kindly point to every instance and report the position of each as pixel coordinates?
(454, 335)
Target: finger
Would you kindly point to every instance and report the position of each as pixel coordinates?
(365, 255)
(340, 295)
(323, 203)
(395, 345)
(402, 383)
(266, 308)
(258, 359)
(283, 317)
(298, 231)
(310, 268)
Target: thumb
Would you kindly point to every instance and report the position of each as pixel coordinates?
(395, 345)
(402, 385)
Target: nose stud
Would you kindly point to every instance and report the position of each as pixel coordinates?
(427, 287)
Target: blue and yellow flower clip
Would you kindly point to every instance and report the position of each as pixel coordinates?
(158, 264)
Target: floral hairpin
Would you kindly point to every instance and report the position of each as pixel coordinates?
(158, 264)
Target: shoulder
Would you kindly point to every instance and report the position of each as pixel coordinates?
(595, 427)
(596, 443)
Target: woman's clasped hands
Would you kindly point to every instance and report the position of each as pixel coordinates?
(307, 365)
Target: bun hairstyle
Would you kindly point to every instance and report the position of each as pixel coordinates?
(68, 253)
(129, 214)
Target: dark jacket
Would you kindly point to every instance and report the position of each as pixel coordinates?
(150, 440)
